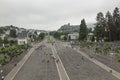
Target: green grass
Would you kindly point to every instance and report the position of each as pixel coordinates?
(49, 40)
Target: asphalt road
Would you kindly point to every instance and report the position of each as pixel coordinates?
(40, 66)
(106, 59)
(80, 68)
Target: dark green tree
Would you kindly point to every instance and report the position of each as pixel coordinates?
(65, 38)
(13, 33)
(57, 35)
(116, 19)
(5, 41)
(100, 26)
(1, 42)
(110, 30)
(83, 30)
(42, 36)
(69, 38)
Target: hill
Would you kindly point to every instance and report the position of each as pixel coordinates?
(67, 28)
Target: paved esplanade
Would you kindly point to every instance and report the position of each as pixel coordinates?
(40, 66)
(59, 62)
(79, 67)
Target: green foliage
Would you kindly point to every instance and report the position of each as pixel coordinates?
(13, 42)
(98, 50)
(83, 30)
(2, 59)
(49, 39)
(117, 49)
(13, 50)
(69, 38)
(42, 36)
(5, 41)
(108, 27)
(57, 35)
(100, 26)
(13, 33)
(106, 49)
(65, 38)
(1, 42)
(117, 52)
(35, 37)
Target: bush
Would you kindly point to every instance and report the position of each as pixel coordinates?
(117, 52)
(13, 51)
(2, 59)
(98, 49)
(106, 49)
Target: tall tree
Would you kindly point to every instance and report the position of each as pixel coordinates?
(100, 26)
(116, 18)
(110, 26)
(83, 30)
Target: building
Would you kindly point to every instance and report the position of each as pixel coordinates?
(23, 38)
(89, 37)
(73, 36)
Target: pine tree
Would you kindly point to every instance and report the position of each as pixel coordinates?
(116, 18)
(110, 26)
(100, 26)
(83, 30)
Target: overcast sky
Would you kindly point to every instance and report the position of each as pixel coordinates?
(51, 14)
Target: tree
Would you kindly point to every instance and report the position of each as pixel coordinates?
(35, 37)
(1, 41)
(69, 38)
(110, 27)
(1, 30)
(57, 35)
(83, 30)
(65, 38)
(13, 33)
(2, 59)
(5, 41)
(117, 52)
(42, 36)
(100, 26)
(106, 49)
(116, 19)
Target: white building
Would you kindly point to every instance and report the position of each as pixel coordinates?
(22, 38)
(89, 37)
(73, 36)
(22, 41)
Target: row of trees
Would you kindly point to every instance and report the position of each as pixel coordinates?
(8, 52)
(36, 37)
(57, 35)
(108, 26)
(7, 42)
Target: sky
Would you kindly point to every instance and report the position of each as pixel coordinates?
(52, 14)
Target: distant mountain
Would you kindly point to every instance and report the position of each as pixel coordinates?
(67, 28)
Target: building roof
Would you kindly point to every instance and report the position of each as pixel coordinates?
(22, 35)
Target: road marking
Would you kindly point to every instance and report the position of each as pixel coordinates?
(61, 70)
(103, 66)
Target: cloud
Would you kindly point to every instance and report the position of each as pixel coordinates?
(51, 14)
